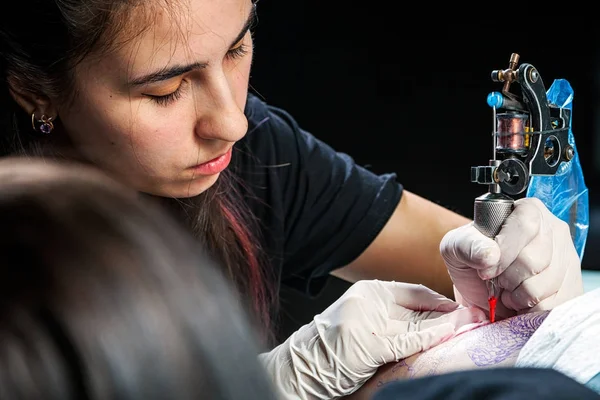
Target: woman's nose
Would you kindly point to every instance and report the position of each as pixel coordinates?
(220, 115)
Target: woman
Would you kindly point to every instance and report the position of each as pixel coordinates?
(156, 94)
(106, 298)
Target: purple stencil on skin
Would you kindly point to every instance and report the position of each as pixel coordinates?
(497, 343)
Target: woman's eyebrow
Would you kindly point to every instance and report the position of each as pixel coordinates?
(165, 74)
(172, 72)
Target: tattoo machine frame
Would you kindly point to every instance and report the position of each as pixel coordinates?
(531, 138)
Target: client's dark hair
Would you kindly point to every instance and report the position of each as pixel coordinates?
(103, 296)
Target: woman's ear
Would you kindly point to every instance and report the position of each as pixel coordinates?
(31, 102)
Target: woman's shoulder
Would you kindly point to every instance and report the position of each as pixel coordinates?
(264, 118)
(255, 109)
(272, 132)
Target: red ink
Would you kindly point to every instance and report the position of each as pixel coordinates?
(492, 302)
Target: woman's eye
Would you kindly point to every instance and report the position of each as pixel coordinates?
(166, 99)
(241, 48)
(238, 51)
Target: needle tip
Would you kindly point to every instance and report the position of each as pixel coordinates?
(492, 303)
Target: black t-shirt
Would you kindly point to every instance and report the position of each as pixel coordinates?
(318, 210)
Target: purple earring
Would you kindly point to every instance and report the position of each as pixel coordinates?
(45, 124)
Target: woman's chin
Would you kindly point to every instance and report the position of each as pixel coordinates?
(185, 189)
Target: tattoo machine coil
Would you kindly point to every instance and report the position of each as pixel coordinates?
(534, 151)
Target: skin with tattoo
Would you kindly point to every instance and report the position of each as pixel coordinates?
(486, 346)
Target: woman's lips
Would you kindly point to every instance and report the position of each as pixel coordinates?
(213, 166)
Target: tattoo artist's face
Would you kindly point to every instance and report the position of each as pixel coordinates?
(169, 100)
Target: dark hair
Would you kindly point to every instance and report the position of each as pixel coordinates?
(103, 296)
(40, 43)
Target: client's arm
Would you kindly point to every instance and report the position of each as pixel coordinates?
(490, 345)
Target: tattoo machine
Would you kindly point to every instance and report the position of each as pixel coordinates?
(534, 151)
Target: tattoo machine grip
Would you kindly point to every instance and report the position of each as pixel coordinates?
(490, 212)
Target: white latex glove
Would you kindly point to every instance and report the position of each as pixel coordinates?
(533, 257)
(373, 323)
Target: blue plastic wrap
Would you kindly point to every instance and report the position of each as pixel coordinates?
(565, 194)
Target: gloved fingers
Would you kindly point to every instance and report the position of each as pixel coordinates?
(460, 299)
(535, 289)
(408, 321)
(520, 229)
(410, 343)
(399, 313)
(476, 293)
(427, 320)
(467, 247)
(531, 261)
(478, 297)
(458, 318)
(419, 297)
(397, 327)
(547, 304)
(501, 310)
(473, 291)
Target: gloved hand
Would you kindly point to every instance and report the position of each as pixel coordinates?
(533, 257)
(372, 324)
